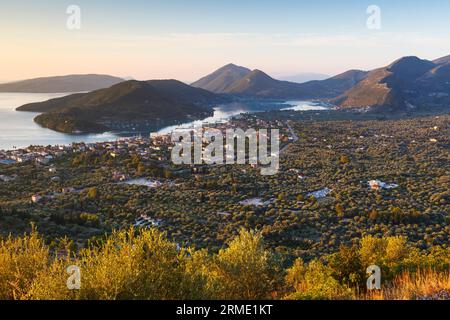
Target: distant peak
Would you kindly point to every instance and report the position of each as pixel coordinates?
(232, 66)
(259, 72)
(354, 73)
(410, 67)
(409, 60)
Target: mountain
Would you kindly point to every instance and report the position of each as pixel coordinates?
(186, 94)
(136, 102)
(222, 79)
(406, 83)
(334, 86)
(437, 80)
(304, 77)
(443, 60)
(236, 80)
(60, 84)
(258, 83)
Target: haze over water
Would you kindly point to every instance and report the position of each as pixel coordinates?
(18, 130)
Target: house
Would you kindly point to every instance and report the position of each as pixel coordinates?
(24, 158)
(116, 176)
(36, 198)
(379, 185)
(256, 202)
(320, 194)
(375, 185)
(42, 160)
(68, 190)
(6, 178)
(145, 221)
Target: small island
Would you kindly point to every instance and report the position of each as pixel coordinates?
(139, 103)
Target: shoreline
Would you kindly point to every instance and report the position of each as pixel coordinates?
(32, 134)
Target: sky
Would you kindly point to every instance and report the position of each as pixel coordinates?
(187, 39)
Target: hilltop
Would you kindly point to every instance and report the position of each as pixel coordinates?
(242, 81)
(221, 80)
(165, 101)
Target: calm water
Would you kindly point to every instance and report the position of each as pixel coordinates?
(225, 112)
(17, 129)
(221, 113)
(305, 106)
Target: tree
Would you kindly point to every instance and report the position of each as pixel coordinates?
(21, 260)
(339, 210)
(244, 270)
(314, 282)
(141, 169)
(373, 215)
(347, 267)
(391, 254)
(344, 159)
(92, 193)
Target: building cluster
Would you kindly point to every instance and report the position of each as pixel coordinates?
(38, 154)
(154, 148)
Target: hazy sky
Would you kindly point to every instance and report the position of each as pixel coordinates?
(186, 39)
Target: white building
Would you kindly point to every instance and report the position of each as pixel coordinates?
(379, 185)
(36, 198)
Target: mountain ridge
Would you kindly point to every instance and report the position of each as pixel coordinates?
(61, 84)
(405, 84)
(246, 82)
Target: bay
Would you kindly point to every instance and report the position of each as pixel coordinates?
(18, 130)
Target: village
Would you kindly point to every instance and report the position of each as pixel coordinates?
(337, 181)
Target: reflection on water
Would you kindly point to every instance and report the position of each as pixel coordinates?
(304, 106)
(17, 129)
(225, 112)
(221, 114)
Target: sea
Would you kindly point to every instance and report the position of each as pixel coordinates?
(18, 130)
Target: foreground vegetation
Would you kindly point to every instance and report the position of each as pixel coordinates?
(143, 264)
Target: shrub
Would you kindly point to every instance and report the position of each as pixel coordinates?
(245, 270)
(21, 260)
(315, 282)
